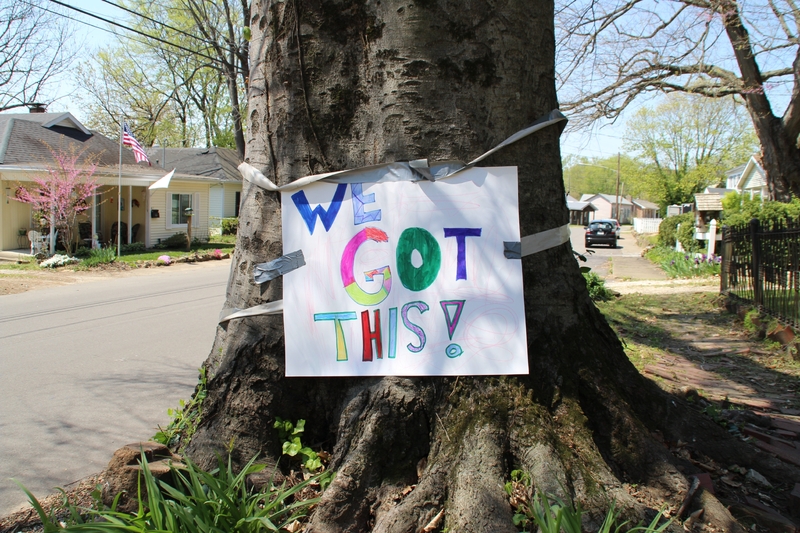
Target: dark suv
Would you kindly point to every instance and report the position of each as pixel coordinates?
(600, 232)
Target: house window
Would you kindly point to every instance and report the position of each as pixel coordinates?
(179, 204)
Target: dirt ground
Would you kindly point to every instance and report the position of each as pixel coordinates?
(678, 334)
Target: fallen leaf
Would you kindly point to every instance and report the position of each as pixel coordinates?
(434, 524)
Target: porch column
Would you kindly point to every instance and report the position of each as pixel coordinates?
(94, 220)
(712, 237)
(130, 211)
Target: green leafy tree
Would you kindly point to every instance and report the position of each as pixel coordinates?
(609, 54)
(686, 143)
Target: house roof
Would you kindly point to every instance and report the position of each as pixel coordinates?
(610, 198)
(644, 204)
(580, 206)
(708, 202)
(220, 163)
(27, 138)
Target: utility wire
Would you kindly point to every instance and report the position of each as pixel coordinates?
(146, 17)
(148, 36)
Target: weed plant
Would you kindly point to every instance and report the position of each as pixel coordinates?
(184, 418)
(199, 502)
(597, 287)
(100, 256)
(550, 514)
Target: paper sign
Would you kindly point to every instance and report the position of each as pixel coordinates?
(404, 278)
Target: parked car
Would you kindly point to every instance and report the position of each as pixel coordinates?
(615, 222)
(600, 232)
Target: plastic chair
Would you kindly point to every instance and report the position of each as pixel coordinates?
(37, 242)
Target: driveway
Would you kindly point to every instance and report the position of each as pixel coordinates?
(90, 367)
(625, 262)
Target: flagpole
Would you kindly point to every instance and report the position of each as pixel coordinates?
(119, 187)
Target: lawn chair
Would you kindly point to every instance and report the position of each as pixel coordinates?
(37, 242)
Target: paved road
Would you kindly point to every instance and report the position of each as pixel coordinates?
(89, 367)
(623, 262)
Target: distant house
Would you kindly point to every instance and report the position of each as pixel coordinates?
(579, 212)
(733, 176)
(146, 216)
(219, 163)
(644, 208)
(753, 181)
(606, 205)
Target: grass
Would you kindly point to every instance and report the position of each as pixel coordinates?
(30, 265)
(152, 255)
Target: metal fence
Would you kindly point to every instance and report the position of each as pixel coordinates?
(761, 265)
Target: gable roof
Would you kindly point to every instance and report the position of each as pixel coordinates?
(574, 205)
(753, 175)
(27, 138)
(610, 198)
(708, 202)
(644, 204)
(214, 162)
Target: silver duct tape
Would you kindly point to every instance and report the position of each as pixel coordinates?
(414, 168)
(270, 308)
(545, 240)
(264, 272)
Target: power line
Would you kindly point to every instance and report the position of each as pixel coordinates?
(148, 36)
(146, 17)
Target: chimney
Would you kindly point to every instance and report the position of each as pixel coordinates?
(34, 107)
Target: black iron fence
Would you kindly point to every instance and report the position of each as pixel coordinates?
(761, 265)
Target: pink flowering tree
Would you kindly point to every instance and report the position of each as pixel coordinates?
(62, 193)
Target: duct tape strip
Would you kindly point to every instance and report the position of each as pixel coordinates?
(537, 242)
(270, 308)
(416, 168)
(263, 272)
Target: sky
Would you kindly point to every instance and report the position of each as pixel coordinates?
(603, 140)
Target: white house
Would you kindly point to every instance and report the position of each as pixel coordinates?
(606, 205)
(147, 216)
(753, 181)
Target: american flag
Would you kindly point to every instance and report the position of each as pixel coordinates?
(129, 140)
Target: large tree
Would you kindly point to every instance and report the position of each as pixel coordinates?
(340, 84)
(611, 53)
(34, 51)
(686, 143)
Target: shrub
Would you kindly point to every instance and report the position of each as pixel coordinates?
(178, 240)
(133, 248)
(668, 229)
(230, 225)
(740, 209)
(100, 256)
(596, 287)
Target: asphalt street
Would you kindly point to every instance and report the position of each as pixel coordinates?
(623, 262)
(89, 367)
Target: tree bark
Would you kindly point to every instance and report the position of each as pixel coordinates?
(344, 84)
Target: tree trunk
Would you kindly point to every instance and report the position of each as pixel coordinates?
(344, 84)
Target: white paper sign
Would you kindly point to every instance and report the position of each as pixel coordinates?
(405, 278)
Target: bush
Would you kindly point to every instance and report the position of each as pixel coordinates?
(178, 240)
(230, 225)
(596, 287)
(668, 232)
(100, 256)
(133, 248)
(740, 210)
